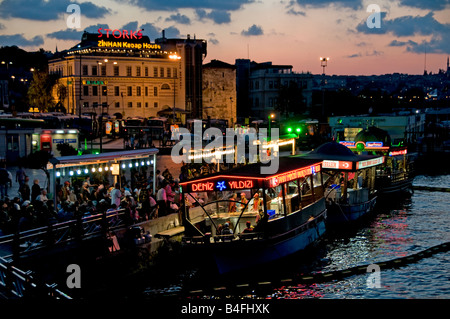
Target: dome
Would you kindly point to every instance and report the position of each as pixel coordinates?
(373, 134)
(333, 148)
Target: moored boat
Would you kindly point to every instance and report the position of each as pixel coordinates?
(349, 181)
(287, 209)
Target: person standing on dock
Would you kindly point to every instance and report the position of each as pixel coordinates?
(116, 195)
(161, 199)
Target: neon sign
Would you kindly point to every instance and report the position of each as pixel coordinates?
(395, 153)
(293, 175)
(240, 184)
(369, 163)
(120, 34)
(127, 45)
(221, 185)
(374, 144)
(203, 187)
(348, 143)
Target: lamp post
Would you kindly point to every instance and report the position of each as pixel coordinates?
(174, 57)
(270, 117)
(323, 64)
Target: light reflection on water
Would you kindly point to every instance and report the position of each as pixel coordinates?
(402, 228)
(419, 223)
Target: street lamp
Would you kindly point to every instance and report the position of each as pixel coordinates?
(174, 57)
(270, 117)
(323, 64)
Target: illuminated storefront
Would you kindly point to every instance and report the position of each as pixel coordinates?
(121, 73)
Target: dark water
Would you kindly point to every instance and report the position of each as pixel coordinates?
(400, 227)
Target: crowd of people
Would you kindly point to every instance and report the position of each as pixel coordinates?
(31, 208)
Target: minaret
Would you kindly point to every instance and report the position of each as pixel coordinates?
(448, 68)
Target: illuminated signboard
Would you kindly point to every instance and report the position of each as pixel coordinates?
(362, 145)
(293, 175)
(337, 164)
(348, 143)
(395, 153)
(369, 163)
(126, 39)
(120, 34)
(222, 185)
(374, 144)
(87, 82)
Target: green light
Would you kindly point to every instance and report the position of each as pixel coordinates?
(289, 129)
(359, 147)
(299, 129)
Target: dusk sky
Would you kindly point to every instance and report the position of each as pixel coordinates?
(295, 32)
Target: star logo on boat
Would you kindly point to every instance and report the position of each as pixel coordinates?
(221, 185)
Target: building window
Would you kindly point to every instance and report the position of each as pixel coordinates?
(117, 104)
(146, 104)
(138, 91)
(174, 72)
(129, 90)
(70, 70)
(155, 104)
(155, 72)
(103, 70)
(85, 90)
(130, 104)
(165, 86)
(85, 104)
(155, 91)
(146, 91)
(138, 104)
(94, 70)
(85, 70)
(95, 104)
(116, 91)
(256, 85)
(116, 70)
(271, 102)
(146, 71)
(94, 90)
(128, 70)
(270, 84)
(169, 73)
(138, 71)
(161, 72)
(104, 91)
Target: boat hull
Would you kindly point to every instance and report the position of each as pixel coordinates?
(284, 237)
(232, 259)
(395, 188)
(339, 214)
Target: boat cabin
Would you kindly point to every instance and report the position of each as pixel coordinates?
(224, 203)
(348, 177)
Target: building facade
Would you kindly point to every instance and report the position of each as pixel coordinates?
(219, 91)
(123, 77)
(259, 84)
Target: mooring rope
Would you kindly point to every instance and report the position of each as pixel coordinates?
(318, 277)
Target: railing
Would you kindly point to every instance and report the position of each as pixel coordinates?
(19, 284)
(82, 228)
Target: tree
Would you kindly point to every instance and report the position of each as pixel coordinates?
(40, 91)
